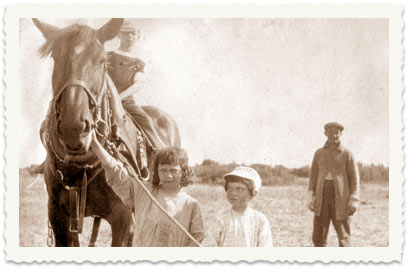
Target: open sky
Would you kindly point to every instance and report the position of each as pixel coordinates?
(244, 90)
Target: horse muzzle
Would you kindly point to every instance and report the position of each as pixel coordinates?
(75, 141)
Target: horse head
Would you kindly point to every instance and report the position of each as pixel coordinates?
(78, 78)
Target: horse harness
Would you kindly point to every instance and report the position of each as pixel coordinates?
(77, 194)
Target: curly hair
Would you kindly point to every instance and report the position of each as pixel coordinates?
(236, 179)
(172, 156)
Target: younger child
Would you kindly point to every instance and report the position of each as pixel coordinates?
(240, 225)
(171, 172)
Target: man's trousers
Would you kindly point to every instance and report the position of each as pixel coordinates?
(321, 223)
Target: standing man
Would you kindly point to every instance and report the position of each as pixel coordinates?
(334, 188)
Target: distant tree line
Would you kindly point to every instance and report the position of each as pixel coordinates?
(368, 173)
(373, 173)
(212, 172)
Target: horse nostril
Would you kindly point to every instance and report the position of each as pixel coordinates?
(76, 148)
(87, 128)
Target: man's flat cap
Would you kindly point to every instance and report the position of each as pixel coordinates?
(333, 124)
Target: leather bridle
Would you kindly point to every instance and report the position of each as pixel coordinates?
(94, 98)
(77, 194)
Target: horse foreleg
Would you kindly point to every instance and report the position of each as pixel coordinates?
(59, 222)
(120, 221)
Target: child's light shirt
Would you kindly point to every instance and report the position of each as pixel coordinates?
(233, 229)
(153, 228)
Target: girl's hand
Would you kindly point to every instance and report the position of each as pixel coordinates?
(99, 151)
(95, 143)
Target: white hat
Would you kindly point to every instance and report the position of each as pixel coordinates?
(247, 173)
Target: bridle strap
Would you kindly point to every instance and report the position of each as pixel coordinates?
(73, 81)
(77, 82)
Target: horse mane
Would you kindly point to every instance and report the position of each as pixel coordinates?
(75, 33)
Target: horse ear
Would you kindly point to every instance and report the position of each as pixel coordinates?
(46, 29)
(110, 29)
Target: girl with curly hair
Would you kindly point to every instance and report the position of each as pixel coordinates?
(169, 175)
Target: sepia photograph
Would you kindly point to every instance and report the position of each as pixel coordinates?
(206, 131)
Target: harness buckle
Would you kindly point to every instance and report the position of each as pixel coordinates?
(59, 175)
(104, 125)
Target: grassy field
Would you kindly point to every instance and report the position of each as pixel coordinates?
(284, 206)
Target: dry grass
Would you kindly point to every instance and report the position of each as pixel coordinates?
(284, 206)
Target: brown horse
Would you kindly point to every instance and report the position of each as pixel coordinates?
(84, 98)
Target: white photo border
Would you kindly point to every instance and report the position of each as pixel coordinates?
(300, 254)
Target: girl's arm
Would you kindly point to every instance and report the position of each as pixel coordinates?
(196, 225)
(105, 158)
(116, 175)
